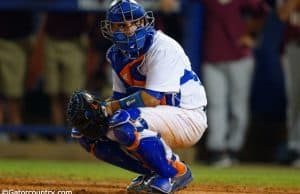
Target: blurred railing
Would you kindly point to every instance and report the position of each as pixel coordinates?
(66, 5)
(35, 129)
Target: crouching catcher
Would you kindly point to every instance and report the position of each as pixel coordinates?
(157, 103)
(124, 140)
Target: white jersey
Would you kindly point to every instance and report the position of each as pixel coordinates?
(164, 68)
(167, 69)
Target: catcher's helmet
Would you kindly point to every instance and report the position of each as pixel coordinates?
(123, 12)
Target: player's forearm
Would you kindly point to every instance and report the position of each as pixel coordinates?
(112, 106)
(139, 99)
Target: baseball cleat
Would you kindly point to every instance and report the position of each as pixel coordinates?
(138, 184)
(158, 184)
(182, 181)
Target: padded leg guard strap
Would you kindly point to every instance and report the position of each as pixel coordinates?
(131, 131)
(111, 152)
(152, 151)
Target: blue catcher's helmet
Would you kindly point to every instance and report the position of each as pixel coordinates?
(127, 12)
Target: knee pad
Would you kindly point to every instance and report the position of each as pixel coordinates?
(126, 125)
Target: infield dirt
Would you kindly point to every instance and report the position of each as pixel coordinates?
(118, 187)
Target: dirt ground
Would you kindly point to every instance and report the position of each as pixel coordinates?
(117, 187)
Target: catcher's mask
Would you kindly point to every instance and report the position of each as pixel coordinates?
(127, 25)
(86, 114)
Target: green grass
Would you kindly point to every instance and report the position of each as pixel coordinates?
(255, 175)
(248, 175)
(43, 169)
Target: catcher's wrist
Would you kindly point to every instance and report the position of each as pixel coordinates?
(112, 107)
(109, 109)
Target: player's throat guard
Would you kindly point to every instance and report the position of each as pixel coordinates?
(128, 11)
(87, 114)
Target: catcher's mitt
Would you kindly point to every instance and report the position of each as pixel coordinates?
(87, 114)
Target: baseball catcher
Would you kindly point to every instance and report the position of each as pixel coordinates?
(157, 103)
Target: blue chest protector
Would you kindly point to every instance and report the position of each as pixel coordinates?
(128, 71)
(121, 64)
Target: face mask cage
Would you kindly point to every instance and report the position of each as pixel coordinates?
(131, 45)
(108, 33)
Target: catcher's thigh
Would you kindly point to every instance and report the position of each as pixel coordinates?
(179, 127)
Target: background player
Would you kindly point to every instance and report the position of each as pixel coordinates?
(158, 102)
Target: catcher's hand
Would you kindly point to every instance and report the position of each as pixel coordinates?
(87, 114)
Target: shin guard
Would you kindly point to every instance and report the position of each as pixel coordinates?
(112, 153)
(132, 132)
